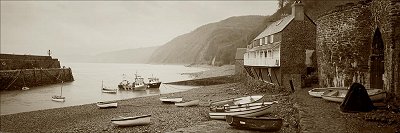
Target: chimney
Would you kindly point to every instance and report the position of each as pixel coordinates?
(298, 10)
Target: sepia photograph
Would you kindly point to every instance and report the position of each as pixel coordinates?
(282, 66)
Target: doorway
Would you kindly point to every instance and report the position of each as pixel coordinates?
(377, 61)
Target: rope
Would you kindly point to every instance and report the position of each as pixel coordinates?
(16, 77)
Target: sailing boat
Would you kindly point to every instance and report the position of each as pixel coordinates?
(59, 98)
(107, 90)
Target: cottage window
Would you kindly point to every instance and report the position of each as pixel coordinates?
(271, 38)
(265, 40)
(261, 41)
(270, 53)
(265, 54)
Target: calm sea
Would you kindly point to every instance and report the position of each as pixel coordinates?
(87, 86)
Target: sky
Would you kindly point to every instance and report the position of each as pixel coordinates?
(82, 28)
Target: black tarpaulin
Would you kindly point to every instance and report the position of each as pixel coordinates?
(357, 100)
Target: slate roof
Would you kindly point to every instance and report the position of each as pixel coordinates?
(276, 27)
(240, 53)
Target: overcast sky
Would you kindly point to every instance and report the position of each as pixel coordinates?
(71, 28)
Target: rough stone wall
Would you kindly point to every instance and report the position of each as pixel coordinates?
(239, 67)
(13, 62)
(344, 38)
(386, 15)
(16, 79)
(296, 38)
(343, 44)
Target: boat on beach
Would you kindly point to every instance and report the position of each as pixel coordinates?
(339, 95)
(244, 111)
(237, 101)
(153, 82)
(318, 92)
(25, 88)
(107, 104)
(132, 121)
(228, 108)
(255, 123)
(171, 100)
(187, 104)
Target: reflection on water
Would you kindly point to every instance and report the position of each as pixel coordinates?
(87, 86)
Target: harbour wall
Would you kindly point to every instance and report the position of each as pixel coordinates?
(16, 79)
(17, 71)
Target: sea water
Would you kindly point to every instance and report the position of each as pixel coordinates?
(88, 82)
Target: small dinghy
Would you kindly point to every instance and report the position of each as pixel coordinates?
(107, 90)
(108, 104)
(244, 111)
(59, 98)
(255, 123)
(228, 108)
(318, 92)
(187, 104)
(25, 88)
(237, 101)
(132, 121)
(171, 100)
(339, 95)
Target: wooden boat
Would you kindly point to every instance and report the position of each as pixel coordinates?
(187, 104)
(237, 101)
(139, 83)
(25, 88)
(318, 92)
(59, 98)
(153, 82)
(106, 90)
(250, 111)
(227, 108)
(108, 104)
(339, 95)
(132, 121)
(171, 100)
(124, 84)
(255, 123)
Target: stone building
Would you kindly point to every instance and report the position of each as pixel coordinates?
(360, 42)
(278, 54)
(239, 68)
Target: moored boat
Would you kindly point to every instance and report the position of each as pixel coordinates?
(25, 88)
(237, 101)
(107, 104)
(339, 95)
(227, 108)
(132, 121)
(187, 104)
(171, 100)
(244, 111)
(153, 82)
(106, 90)
(59, 98)
(124, 84)
(255, 123)
(139, 83)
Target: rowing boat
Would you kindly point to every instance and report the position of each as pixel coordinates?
(255, 123)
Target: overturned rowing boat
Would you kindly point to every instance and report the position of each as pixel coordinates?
(187, 104)
(108, 104)
(255, 123)
(132, 121)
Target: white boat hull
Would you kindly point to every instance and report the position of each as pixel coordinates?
(140, 88)
(58, 99)
(187, 104)
(107, 104)
(132, 121)
(109, 91)
(237, 101)
(171, 100)
(374, 95)
(244, 112)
